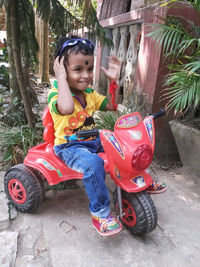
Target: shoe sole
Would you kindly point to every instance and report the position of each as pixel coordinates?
(157, 192)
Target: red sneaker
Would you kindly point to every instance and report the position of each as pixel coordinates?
(156, 188)
(108, 226)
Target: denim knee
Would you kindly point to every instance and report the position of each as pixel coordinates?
(95, 167)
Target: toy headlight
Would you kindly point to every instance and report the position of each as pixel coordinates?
(142, 157)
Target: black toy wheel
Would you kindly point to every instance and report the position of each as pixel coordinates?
(140, 215)
(23, 188)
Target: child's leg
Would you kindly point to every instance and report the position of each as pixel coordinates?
(80, 159)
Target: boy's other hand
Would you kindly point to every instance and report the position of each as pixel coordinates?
(114, 67)
(59, 68)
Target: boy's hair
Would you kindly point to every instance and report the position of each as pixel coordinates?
(75, 49)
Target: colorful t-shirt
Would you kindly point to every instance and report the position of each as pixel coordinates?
(81, 119)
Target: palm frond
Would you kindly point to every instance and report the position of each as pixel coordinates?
(197, 97)
(4, 2)
(183, 89)
(22, 136)
(186, 44)
(167, 36)
(62, 21)
(177, 35)
(194, 3)
(26, 19)
(106, 120)
(43, 8)
(193, 67)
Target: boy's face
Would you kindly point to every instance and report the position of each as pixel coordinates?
(79, 71)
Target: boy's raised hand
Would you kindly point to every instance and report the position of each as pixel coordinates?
(114, 67)
(59, 68)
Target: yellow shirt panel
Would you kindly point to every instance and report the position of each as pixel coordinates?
(81, 118)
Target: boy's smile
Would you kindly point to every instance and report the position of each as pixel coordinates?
(79, 74)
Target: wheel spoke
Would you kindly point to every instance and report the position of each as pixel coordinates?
(17, 191)
(129, 217)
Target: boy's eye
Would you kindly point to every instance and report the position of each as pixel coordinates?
(91, 69)
(77, 69)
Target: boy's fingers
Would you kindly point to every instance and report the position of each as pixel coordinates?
(62, 60)
(115, 60)
(106, 72)
(103, 69)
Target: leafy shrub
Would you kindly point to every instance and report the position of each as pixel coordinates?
(179, 38)
(4, 76)
(17, 140)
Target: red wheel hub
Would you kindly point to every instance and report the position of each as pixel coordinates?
(17, 191)
(129, 217)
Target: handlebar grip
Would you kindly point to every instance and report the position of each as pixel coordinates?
(87, 134)
(158, 114)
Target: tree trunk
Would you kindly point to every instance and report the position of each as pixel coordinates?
(13, 83)
(18, 64)
(38, 27)
(42, 35)
(45, 65)
(25, 67)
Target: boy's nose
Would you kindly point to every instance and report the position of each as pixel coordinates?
(85, 74)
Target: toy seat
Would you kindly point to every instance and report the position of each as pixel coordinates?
(48, 134)
(43, 158)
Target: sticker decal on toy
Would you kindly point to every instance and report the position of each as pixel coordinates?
(48, 166)
(129, 121)
(117, 174)
(139, 181)
(135, 135)
(115, 143)
(149, 127)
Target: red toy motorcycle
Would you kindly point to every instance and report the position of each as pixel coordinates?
(128, 153)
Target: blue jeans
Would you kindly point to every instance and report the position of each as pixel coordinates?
(81, 156)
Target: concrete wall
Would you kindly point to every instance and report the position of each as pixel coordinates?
(190, 151)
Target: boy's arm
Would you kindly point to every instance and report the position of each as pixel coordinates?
(113, 73)
(65, 103)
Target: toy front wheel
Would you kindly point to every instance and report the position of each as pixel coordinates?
(23, 188)
(140, 215)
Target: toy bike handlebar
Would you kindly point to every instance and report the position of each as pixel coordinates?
(95, 132)
(87, 134)
(158, 114)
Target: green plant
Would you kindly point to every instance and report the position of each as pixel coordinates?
(4, 76)
(180, 41)
(66, 185)
(17, 140)
(4, 54)
(194, 3)
(14, 119)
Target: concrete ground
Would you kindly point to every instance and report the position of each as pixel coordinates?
(60, 234)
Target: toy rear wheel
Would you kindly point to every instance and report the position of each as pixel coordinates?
(140, 215)
(23, 188)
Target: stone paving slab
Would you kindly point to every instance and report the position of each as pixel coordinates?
(60, 233)
(5, 213)
(8, 248)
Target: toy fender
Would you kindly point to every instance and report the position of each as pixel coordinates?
(43, 158)
(134, 183)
